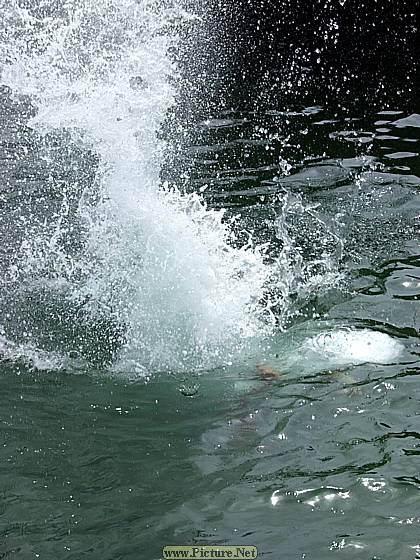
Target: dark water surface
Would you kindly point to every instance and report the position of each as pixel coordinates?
(322, 460)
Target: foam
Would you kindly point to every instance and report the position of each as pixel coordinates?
(348, 346)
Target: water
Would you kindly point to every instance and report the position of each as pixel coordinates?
(209, 326)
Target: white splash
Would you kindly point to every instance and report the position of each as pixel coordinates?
(161, 260)
(166, 267)
(348, 346)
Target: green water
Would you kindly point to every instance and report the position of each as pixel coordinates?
(308, 465)
(100, 468)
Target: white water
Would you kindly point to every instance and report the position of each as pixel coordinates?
(346, 346)
(159, 259)
(164, 263)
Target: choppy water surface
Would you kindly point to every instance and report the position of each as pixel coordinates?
(209, 329)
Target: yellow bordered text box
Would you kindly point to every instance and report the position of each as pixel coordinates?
(210, 552)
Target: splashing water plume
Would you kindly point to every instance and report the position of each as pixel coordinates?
(163, 266)
(162, 262)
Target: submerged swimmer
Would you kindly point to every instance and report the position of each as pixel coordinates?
(266, 372)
